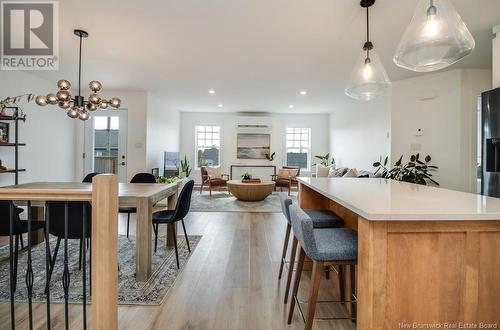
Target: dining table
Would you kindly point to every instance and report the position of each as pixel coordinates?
(142, 196)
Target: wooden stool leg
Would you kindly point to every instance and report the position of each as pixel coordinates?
(293, 253)
(313, 297)
(352, 290)
(285, 246)
(298, 274)
(341, 284)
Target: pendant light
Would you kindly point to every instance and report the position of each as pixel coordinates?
(368, 79)
(436, 38)
(78, 106)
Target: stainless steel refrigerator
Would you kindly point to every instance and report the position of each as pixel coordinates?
(490, 159)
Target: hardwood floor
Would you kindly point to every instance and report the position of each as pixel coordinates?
(230, 282)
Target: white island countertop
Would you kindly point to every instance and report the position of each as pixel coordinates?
(381, 199)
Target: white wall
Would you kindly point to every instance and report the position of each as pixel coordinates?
(48, 133)
(163, 128)
(444, 106)
(359, 132)
(496, 57)
(319, 124)
(135, 102)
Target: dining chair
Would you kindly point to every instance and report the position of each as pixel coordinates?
(138, 178)
(173, 216)
(20, 227)
(88, 178)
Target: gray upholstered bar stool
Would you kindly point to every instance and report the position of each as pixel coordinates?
(325, 247)
(320, 218)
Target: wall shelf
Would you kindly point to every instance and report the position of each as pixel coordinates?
(13, 170)
(14, 144)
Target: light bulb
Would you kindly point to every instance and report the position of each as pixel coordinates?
(432, 25)
(367, 70)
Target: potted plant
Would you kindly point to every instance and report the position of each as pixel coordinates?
(12, 102)
(270, 157)
(167, 179)
(246, 176)
(325, 160)
(185, 168)
(414, 171)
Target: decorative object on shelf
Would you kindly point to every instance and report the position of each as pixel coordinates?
(246, 176)
(253, 146)
(270, 157)
(185, 168)
(2, 168)
(325, 160)
(78, 107)
(436, 38)
(368, 80)
(167, 179)
(415, 171)
(4, 132)
(12, 103)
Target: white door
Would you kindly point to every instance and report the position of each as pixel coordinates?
(106, 143)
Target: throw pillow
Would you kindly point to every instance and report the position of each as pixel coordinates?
(337, 172)
(352, 173)
(322, 171)
(214, 172)
(285, 173)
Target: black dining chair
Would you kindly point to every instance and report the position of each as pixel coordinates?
(172, 216)
(138, 178)
(20, 227)
(88, 178)
(56, 211)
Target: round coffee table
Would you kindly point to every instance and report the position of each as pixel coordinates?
(250, 191)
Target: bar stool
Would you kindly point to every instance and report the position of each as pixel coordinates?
(325, 247)
(320, 218)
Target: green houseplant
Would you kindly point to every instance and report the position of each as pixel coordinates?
(246, 176)
(325, 160)
(167, 179)
(185, 167)
(270, 157)
(414, 171)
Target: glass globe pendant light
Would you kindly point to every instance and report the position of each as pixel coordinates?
(368, 80)
(77, 106)
(436, 38)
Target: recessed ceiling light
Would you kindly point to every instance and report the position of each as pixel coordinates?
(291, 106)
(211, 91)
(303, 92)
(220, 105)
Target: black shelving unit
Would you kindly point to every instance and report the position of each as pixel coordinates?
(15, 144)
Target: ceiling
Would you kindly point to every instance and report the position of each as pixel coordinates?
(256, 54)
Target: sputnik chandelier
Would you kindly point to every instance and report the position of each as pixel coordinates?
(78, 107)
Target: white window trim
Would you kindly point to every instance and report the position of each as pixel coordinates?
(196, 167)
(309, 154)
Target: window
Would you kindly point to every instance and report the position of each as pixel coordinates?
(298, 145)
(207, 145)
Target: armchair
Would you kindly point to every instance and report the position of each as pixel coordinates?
(212, 181)
(286, 178)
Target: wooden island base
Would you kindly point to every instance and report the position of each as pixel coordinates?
(425, 272)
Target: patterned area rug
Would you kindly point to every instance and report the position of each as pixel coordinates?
(221, 201)
(152, 292)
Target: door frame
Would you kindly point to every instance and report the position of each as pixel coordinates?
(89, 138)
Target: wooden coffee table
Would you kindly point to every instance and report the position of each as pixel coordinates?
(250, 191)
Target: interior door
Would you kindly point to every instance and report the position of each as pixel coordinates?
(106, 143)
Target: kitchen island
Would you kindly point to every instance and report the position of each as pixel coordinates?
(427, 256)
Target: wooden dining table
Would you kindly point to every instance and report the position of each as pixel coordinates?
(142, 196)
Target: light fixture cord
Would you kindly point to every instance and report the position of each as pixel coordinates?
(368, 32)
(80, 67)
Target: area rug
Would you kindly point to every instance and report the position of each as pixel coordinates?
(221, 201)
(130, 292)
